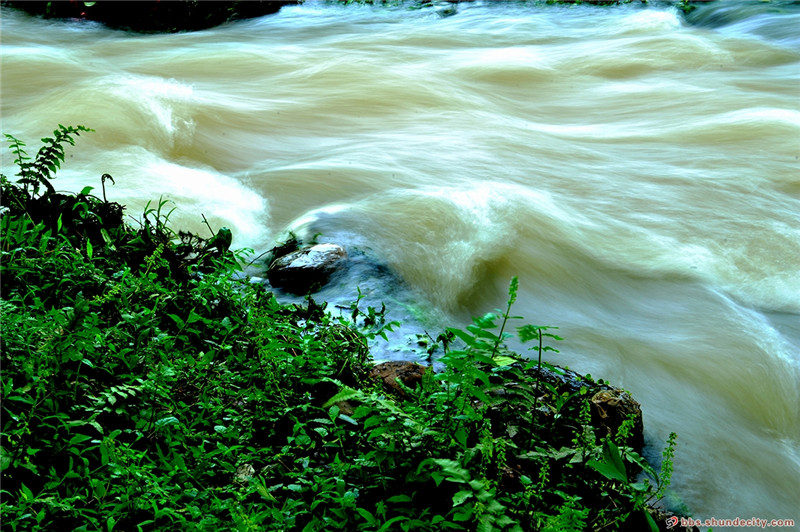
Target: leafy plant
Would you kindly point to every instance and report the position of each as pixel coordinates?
(40, 171)
(147, 386)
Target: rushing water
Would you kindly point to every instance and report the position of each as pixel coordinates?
(639, 171)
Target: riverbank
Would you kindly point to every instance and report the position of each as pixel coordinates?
(147, 386)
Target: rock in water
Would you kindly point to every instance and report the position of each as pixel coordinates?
(611, 407)
(306, 270)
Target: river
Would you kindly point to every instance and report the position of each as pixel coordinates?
(638, 169)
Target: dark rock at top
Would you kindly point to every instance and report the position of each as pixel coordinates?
(304, 271)
(151, 16)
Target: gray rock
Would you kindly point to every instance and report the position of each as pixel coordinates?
(306, 270)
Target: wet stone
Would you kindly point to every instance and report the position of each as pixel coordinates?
(306, 270)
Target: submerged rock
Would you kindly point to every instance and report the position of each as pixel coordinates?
(306, 270)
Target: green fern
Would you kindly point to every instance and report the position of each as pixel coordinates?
(40, 171)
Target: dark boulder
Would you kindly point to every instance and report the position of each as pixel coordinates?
(306, 270)
(151, 16)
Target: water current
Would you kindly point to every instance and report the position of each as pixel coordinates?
(638, 169)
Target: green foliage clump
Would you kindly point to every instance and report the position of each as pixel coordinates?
(147, 386)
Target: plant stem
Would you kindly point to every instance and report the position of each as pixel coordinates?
(538, 373)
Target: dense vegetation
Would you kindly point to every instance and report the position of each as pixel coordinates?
(147, 387)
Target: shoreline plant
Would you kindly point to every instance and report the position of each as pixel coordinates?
(147, 386)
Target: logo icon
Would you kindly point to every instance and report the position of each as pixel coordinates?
(672, 522)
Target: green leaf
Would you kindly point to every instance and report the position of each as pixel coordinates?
(262, 490)
(177, 319)
(333, 412)
(461, 496)
(478, 485)
(399, 498)
(104, 454)
(377, 432)
(453, 470)
(207, 357)
(96, 425)
(179, 462)
(386, 526)
(634, 458)
(26, 493)
(193, 317)
(608, 471)
(344, 394)
(463, 336)
(5, 459)
(526, 333)
(89, 249)
(650, 522)
(503, 360)
(482, 333)
(347, 418)
(99, 488)
(613, 457)
(372, 421)
(461, 436)
(107, 238)
(78, 438)
(486, 321)
(367, 516)
(170, 420)
(486, 523)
